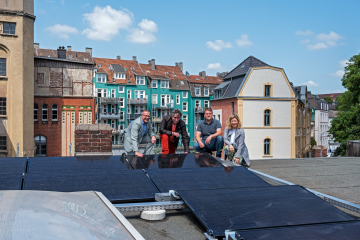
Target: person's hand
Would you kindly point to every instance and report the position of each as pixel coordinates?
(186, 152)
(231, 148)
(201, 145)
(153, 139)
(138, 154)
(208, 139)
(176, 134)
(236, 160)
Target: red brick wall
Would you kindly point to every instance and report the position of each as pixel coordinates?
(318, 152)
(52, 131)
(93, 138)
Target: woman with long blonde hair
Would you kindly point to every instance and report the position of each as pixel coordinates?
(234, 138)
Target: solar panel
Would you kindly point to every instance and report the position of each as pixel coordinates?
(10, 181)
(115, 185)
(12, 165)
(245, 208)
(330, 231)
(76, 164)
(204, 178)
(191, 160)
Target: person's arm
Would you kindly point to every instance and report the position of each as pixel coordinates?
(135, 135)
(185, 138)
(226, 137)
(162, 129)
(149, 130)
(241, 143)
(198, 137)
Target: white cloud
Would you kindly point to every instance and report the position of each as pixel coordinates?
(317, 46)
(214, 66)
(339, 73)
(304, 33)
(243, 41)
(305, 41)
(148, 25)
(140, 36)
(62, 2)
(62, 31)
(106, 22)
(218, 45)
(343, 63)
(310, 84)
(330, 39)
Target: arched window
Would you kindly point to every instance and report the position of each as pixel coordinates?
(267, 117)
(36, 111)
(54, 112)
(40, 142)
(267, 146)
(45, 113)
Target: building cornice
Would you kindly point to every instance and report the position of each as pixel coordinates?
(17, 13)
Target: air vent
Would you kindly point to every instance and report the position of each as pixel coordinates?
(99, 66)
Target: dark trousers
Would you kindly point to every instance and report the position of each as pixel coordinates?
(216, 144)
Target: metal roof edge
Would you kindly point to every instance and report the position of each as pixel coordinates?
(64, 60)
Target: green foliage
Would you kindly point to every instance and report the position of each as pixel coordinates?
(328, 99)
(157, 151)
(313, 143)
(346, 126)
(341, 150)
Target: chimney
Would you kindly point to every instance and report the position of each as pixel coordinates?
(152, 63)
(69, 48)
(202, 74)
(118, 57)
(218, 74)
(134, 58)
(176, 64)
(181, 66)
(36, 45)
(61, 52)
(89, 50)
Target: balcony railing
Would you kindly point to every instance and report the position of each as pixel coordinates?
(104, 100)
(110, 115)
(133, 116)
(136, 101)
(163, 106)
(199, 110)
(156, 119)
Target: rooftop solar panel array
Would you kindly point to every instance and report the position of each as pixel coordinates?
(204, 178)
(11, 181)
(191, 160)
(246, 208)
(12, 165)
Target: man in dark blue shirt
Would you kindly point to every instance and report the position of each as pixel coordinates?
(210, 130)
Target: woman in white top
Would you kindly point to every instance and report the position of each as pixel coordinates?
(234, 138)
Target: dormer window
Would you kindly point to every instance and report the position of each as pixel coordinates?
(140, 80)
(197, 91)
(206, 91)
(154, 83)
(120, 75)
(166, 73)
(174, 75)
(101, 78)
(132, 68)
(164, 84)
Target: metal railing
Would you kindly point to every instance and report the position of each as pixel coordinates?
(163, 106)
(105, 100)
(136, 101)
(110, 115)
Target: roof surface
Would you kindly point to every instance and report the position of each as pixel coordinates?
(206, 80)
(244, 66)
(332, 95)
(234, 87)
(70, 55)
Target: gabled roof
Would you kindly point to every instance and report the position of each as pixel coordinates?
(244, 66)
(163, 72)
(206, 80)
(332, 95)
(118, 68)
(70, 55)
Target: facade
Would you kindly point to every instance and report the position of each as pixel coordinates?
(63, 98)
(16, 71)
(266, 103)
(332, 144)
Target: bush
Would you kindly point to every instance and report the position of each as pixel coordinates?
(340, 150)
(313, 143)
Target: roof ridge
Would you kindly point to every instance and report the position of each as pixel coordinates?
(251, 56)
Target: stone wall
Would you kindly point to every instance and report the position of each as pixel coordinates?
(318, 151)
(93, 139)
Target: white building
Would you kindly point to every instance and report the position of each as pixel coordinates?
(320, 121)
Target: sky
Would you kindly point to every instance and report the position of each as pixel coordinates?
(311, 40)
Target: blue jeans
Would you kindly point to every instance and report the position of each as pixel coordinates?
(216, 144)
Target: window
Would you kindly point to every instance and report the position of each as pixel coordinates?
(197, 91)
(120, 75)
(164, 113)
(104, 108)
(197, 105)
(267, 143)
(113, 108)
(140, 94)
(185, 106)
(9, 28)
(2, 106)
(122, 115)
(185, 94)
(121, 89)
(164, 84)
(105, 121)
(129, 109)
(2, 142)
(206, 91)
(40, 142)
(165, 100)
(154, 83)
(2, 66)
(121, 103)
(45, 113)
(113, 124)
(154, 112)
(113, 93)
(101, 77)
(54, 112)
(267, 91)
(140, 80)
(178, 99)
(206, 103)
(36, 109)
(102, 92)
(185, 119)
(121, 127)
(139, 108)
(267, 118)
(128, 94)
(154, 98)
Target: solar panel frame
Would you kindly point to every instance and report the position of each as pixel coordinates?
(13, 165)
(245, 208)
(11, 181)
(204, 178)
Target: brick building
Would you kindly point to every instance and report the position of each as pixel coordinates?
(63, 98)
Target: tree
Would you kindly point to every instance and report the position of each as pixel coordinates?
(328, 99)
(346, 126)
(313, 143)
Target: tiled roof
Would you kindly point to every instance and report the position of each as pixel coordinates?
(210, 86)
(173, 72)
(207, 80)
(244, 66)
(132, 67)
(332, 95)
(313, 103)
(70, 55)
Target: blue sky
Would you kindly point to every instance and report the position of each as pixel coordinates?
(310, 40)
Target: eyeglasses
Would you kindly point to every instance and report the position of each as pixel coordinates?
(176, 117)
